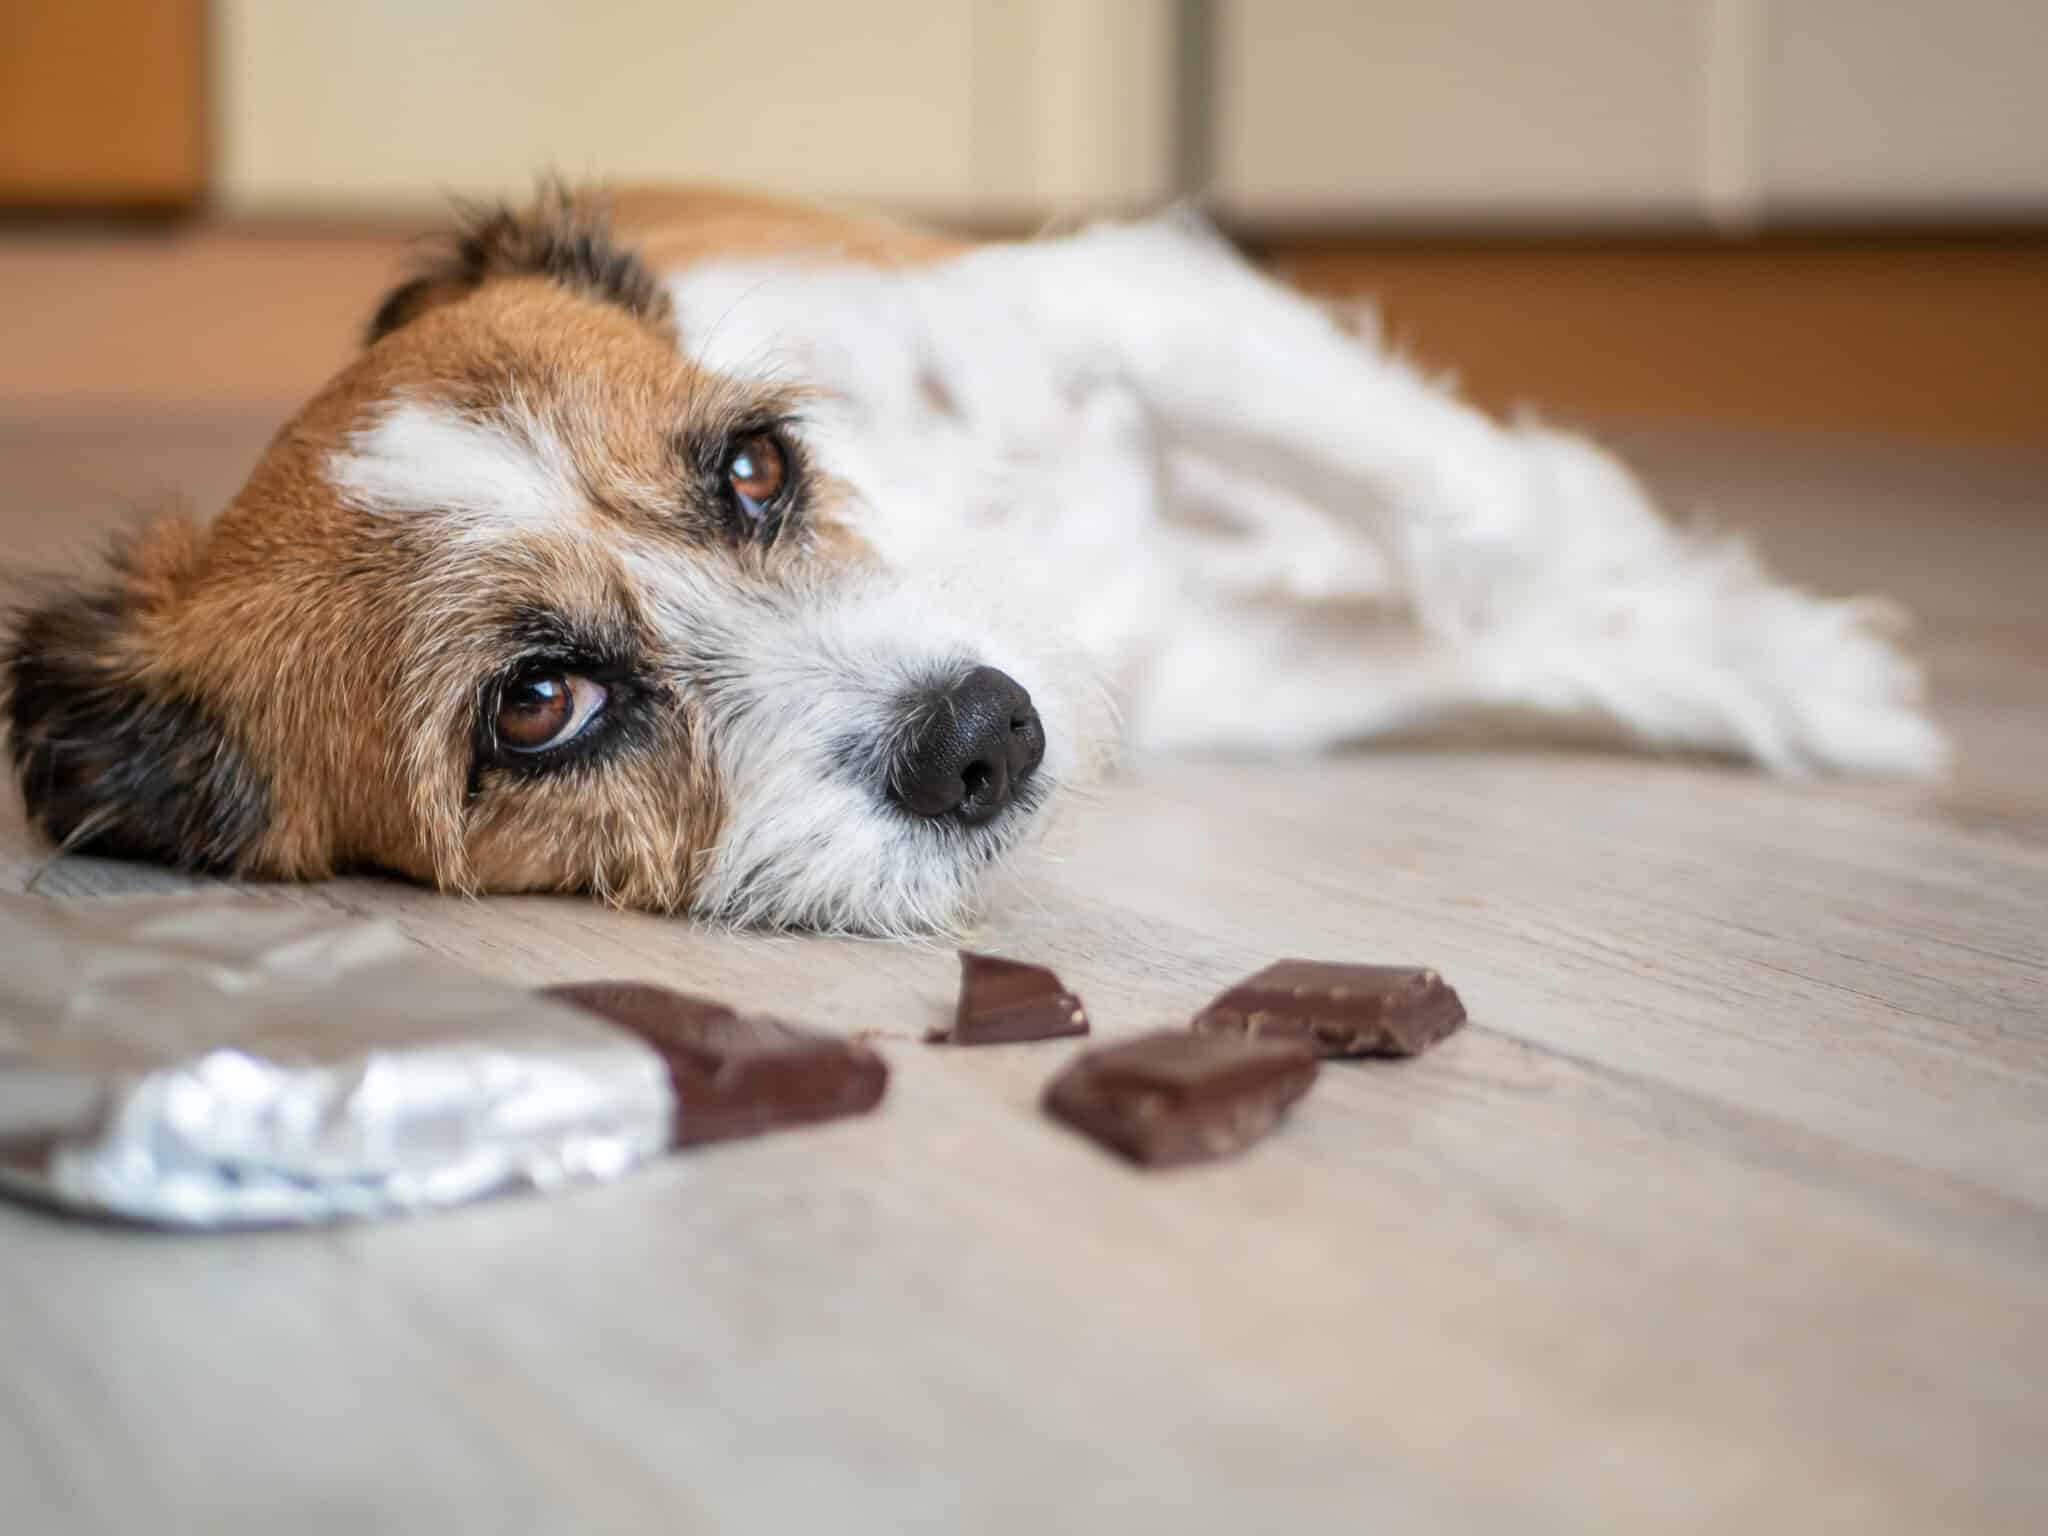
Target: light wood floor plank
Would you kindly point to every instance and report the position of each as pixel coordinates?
(1729, 1211)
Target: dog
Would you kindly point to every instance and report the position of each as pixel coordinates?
(713, 554)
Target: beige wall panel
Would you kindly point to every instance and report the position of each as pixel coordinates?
(1924, 108)
(365, 103)
(1074, 106)
(1473, 110)
(989, 107)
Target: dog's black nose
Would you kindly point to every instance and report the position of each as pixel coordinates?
(973, 745)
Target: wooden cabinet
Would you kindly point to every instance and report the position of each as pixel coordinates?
(102, 102)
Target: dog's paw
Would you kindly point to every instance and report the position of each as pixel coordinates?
(1692, 645)
(1842, 694)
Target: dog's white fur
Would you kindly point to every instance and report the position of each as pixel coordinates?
(1267, 532)
(804, 684)
(481, 480)
(1121, 465)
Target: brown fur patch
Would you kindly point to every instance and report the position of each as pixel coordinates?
(306, 624)
(117, 750)
(562, 237)
(296, 689)
(673, 227)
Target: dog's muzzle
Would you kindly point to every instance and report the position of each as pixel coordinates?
(969, 748)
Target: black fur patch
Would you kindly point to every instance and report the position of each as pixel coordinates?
(557, 238)
(110, 765)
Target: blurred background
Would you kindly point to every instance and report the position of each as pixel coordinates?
(1815, 214)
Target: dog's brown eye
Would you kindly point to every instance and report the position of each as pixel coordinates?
(757, 472)
(546, 709)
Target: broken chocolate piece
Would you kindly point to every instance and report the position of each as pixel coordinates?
(1003, 1001)
(735, 1074)
(1181, 1098)
(640, 1006)
(1343, 1010)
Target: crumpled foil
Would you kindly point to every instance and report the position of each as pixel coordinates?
(210, 1062)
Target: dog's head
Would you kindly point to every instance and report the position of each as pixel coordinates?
(524, 601)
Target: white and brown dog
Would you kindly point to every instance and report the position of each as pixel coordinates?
(711, 554)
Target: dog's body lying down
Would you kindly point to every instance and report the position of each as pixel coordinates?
(706, 553)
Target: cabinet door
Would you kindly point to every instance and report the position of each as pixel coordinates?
(381, 102)
(1922, 109)
(1460, 111)
(966, 107)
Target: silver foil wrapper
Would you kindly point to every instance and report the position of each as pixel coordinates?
(216, 1062)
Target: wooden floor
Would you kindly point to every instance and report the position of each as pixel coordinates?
(1729, 1212)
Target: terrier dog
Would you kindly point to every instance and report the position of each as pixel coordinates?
(708, 553)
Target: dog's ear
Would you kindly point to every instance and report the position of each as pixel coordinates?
(561, 236)
(112, 753)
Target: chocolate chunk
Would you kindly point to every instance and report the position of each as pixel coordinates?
(1003, 1001)
(736, 1074)
(651, 1012)
(1343, 1010)
(1181, 1098)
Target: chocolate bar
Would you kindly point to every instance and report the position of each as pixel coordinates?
(736, 1074)
(1181, 1098)
(1342, 1010)
(1003, 1001)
